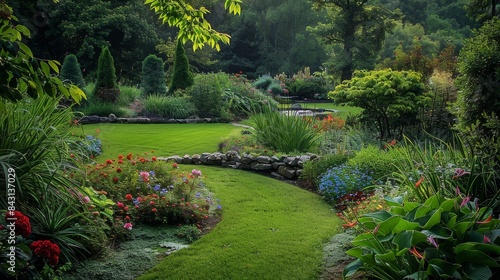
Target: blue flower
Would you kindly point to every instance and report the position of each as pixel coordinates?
(156, 188)
(163, 191)
(198, 195)
(219, 207)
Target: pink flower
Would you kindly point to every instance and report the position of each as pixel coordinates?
(145, 176)
(120, 205)
(486, 239)
(151, 203)
(86, 199)
(465, 201)
(128, 226)
(196, 173)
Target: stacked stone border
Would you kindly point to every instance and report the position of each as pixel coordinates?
(113, 119)
(284, 167)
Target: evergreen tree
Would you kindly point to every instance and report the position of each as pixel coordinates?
(70, 71)
(182, 76)
(153, 75)
(106, 88)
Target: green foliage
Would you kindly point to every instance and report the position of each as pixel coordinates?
(106, 88)
(104, 109)
(22, 74)
(263, 82)
(34, 143)
(182, 77)
(128, 94)
(306, 88)
(71, 72)
(443, 168)
(189, 232)
(58, 220)
(191, 21)
(356, 30)
(153, 75)
(439, 238)
(242, 98)
(176, 107)
(479, 82)
(206, 94)
(389, 98)
(284, 133)
(380, 163)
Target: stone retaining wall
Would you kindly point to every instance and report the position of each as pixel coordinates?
(288, 167)
(113, 119)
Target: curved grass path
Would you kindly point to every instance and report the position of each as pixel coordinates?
(269, 230)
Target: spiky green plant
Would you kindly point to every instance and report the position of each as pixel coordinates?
(182, 77)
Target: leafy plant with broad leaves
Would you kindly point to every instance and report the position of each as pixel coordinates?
(22, 74)
(440, 238)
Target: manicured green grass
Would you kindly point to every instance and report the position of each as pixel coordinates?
(343, 111)
(269, 230)
(163, 139)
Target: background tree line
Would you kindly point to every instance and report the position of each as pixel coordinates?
(270, 36)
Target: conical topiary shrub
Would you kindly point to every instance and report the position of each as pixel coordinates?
(153, 76)
(71, 72)
(182, 76)
(106, 88)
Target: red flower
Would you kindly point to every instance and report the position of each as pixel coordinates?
(108, 161)
(128, 197)
(119, 170)
(153, 210)
(133, 162)
(151, 203)
(120, 161)
(125, 208)
(127, 217)
(46, 250)
(115, 180)
(120, 204)
(23, 226)
(121, 157)
(153, 158)
(129, 156)
(417, 184)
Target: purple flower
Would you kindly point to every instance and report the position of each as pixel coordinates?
(459, 172)
(196, 173)
(432, 241)
(219, 207)
(465, 201)
(86, 199)
(157, 188)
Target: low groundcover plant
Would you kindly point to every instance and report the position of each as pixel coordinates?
(441, 238)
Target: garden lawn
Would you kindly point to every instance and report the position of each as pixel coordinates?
(163, 139)
(342, 111)
(269, 230)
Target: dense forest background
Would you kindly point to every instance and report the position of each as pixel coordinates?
(270, 36)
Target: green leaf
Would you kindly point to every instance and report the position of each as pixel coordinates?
(442, 269)
(54, 66)
(433, 220)
(387, 257)
(438, 232)
(474, 272)
(405, 225)
(388, 225)
(25, 49)
(408, 239)
(394, 201)
(352, 268)
(475, 257)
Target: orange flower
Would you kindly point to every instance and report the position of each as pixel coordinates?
(129, 156)
(417, 184)
(414, 252)
(350, 224)
(485, 221)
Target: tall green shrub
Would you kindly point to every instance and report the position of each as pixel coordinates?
(478, 102)
(206, 94)
(182, 77)
(106, 88)
(70, 71)
(153, 75)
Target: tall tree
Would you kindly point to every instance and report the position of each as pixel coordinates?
(357, 29)
(153, 75)
(106, 88)
(71, 72)
(182, 76)
(483, 9)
